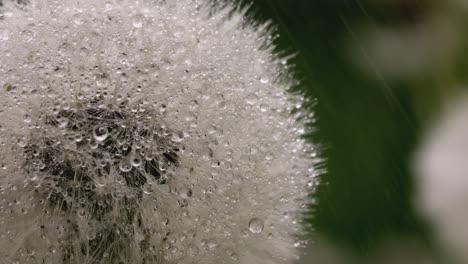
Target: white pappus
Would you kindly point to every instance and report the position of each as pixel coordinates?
(147, 132)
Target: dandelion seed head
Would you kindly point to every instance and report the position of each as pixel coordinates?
(146, 132)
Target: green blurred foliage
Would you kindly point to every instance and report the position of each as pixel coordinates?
(368, 125)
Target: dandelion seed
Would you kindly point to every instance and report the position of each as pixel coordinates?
(139, 132)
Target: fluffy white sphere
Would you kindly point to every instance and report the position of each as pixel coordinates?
(146, 132)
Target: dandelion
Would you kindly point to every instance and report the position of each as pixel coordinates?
(441, 166)
(146, 132)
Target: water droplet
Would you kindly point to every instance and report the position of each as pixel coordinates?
(211, 244)
(78, 138)
(263, 108)
(100, 133)
(179, 31)
(22, 142)
(136, 161)
(93, 145)
(27, 118)
(125, 165)
(62, 121)
(251, 99)
(232, 254)
(212, 129)
(192, 250)
(78, 21)
(264, 80)
(256, 225)
(297, 243)
(138, 21)
(186, 193)
(40, 165)
(5, 33)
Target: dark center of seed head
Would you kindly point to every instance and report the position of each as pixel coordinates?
(84, 146)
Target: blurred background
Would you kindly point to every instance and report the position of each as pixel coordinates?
(380, 70)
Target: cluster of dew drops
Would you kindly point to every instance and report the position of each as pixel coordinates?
(97, 160)
(97, 157)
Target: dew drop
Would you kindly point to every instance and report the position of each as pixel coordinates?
(125, 165)
(251, 99)
(256, 225)
(186, 193)
(40, 165)
(78, 21)
(138, 21)
(136, 161)
(22, 142)
(62, 122)
(297, 243)
(27, 118)
(93, 145)
(100, 133)
(211, 244)
(192, 250)
(78, 138)
(5, 34)
(264, 80)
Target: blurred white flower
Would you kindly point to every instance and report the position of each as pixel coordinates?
(146, 132)
(441, 165)
(405, 51)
